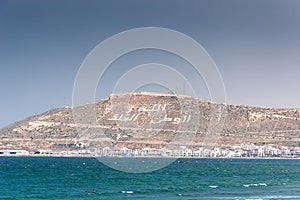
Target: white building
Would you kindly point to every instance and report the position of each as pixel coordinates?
(14, 152)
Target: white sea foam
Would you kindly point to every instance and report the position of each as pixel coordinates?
(262, 184)
(270, 197)
(127, 192)
(255, 185)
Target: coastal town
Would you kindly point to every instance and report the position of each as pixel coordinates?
(242, 151)
(246, 151)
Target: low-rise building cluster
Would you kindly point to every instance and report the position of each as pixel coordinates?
(236, 151)
(241, 151)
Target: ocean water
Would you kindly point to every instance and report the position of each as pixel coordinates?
(69, 178)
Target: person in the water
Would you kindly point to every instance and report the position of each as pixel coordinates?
(93, 191)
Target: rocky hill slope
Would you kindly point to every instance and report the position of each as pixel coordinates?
(140, 120)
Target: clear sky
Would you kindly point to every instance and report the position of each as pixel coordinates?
(255, 44)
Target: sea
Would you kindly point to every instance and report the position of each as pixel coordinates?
(75, 178)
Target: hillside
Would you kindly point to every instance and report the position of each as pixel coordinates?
(139, 120)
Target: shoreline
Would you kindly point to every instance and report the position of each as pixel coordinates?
(145, 157)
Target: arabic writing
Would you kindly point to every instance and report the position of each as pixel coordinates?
(175, 120)
(155, 108)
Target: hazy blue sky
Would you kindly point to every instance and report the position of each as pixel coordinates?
(255, 44)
